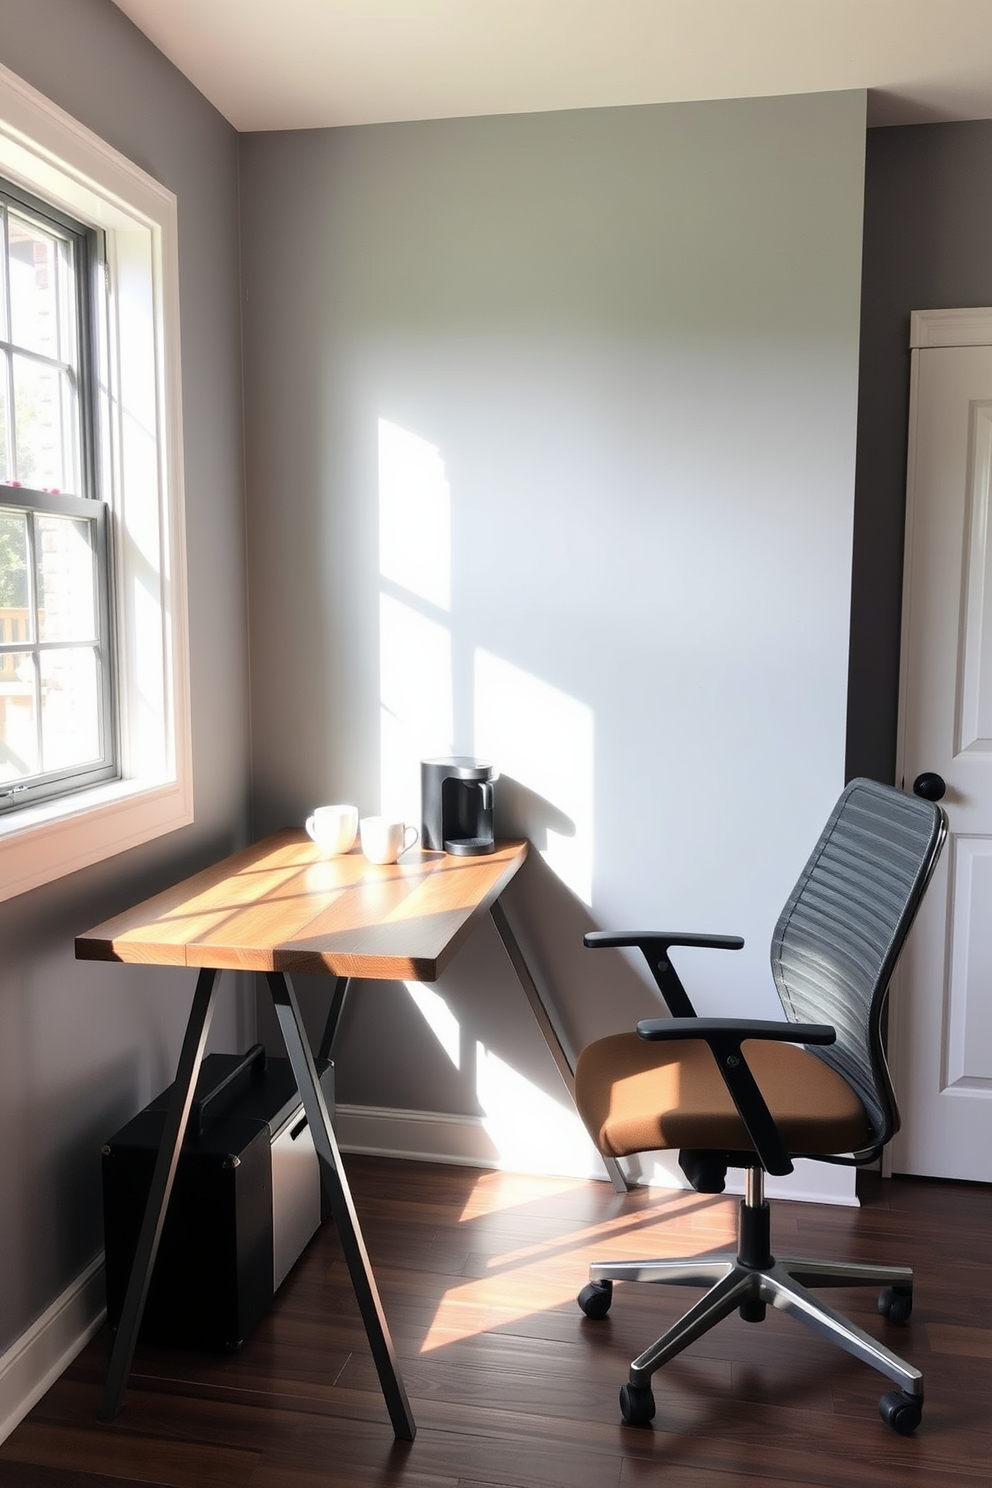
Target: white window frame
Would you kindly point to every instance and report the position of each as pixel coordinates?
(51, 155)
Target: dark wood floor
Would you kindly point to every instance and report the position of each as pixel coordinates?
(511, 1386)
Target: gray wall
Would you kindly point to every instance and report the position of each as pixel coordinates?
(83, 1046)
(621, 346)
(631, 337)
(927, 246)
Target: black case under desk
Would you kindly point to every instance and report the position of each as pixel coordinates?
(245, 1201)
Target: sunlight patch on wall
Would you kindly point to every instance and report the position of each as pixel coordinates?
(539, 736)
(415, 671)
(543, 739)
(414, 515)
(415, 701)
(529, 1130)
(439, 1018)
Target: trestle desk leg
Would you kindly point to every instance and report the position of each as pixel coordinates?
(566, 1066)
(341, 985)
(342, 1205)
(163, 1175)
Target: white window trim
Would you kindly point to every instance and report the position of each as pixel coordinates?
(48, 152)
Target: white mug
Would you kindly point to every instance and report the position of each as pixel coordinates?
(383, 840)
(333, 828)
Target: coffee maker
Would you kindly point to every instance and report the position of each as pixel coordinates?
(456, 797)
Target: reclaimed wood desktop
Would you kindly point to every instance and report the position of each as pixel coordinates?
(280, 907)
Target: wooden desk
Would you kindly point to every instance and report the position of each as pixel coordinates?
(280, 907)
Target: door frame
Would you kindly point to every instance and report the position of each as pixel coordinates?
(947, 328)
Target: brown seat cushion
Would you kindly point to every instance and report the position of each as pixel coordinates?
(638, 1096)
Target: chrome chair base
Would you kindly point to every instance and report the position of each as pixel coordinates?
(782, 1285)
(751, 1281)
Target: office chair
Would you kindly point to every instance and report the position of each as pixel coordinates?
(754, 1094)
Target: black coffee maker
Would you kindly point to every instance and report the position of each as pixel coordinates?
(456, 798)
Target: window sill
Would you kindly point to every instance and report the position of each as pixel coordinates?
(42, 843)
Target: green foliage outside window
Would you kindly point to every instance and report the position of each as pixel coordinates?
(13, 568)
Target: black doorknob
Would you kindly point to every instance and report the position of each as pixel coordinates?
(929, 785)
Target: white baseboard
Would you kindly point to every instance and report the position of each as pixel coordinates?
(39, 1356)
(432, 1136)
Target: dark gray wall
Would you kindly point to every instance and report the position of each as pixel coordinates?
(622, 344)
(928, 245)
(81, 1045)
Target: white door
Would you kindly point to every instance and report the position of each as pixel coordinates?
(941, 1027)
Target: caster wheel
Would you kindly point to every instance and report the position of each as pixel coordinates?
(901, 1411)
(636, 1404)
(595, 1298)
(896, 1304)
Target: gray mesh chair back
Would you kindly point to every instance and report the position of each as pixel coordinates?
(839, 936)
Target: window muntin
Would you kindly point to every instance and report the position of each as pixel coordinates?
(50, 154)
(56, 682)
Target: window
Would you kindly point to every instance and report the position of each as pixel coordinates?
(94, 692)
(56, 700)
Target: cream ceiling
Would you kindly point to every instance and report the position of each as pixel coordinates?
(296, 64)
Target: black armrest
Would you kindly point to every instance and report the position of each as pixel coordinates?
(662, 939)
(744, 1028)
(725, 1036)
(654, 944)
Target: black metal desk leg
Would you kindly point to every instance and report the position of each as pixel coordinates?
(566, 1065)
(341, 985)
(158, 1195)
(342, 1205)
